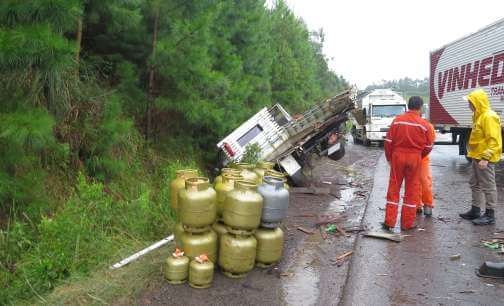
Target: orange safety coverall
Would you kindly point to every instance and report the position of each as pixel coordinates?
(407, 142)
(426, 177)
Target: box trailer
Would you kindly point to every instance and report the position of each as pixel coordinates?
(474, 61)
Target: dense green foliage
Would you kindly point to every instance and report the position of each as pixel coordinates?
(101, 98)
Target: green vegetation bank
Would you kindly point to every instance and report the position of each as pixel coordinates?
(102, 100)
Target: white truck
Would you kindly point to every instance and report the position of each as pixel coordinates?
(289, 140)
(474, 61)
(375, 112)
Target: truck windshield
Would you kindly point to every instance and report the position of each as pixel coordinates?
(384, 111)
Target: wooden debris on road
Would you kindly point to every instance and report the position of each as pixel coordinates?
(306, 215)
(310, 190)
(344, 255)
(342, 231)
(381, 235)
(341, 258)
(455, 257)
(306, 231)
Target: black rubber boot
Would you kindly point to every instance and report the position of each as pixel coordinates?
(487, 219)
(473, 213)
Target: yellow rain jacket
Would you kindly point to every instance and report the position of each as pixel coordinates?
(485, 141)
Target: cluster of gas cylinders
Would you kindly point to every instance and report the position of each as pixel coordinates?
(233, 224)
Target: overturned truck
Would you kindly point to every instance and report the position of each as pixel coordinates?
(289, 141)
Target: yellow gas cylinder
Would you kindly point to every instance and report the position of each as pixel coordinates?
(179, 183)
(201, 272)
(223, 188)
(220, 229)
(178, 230)
(233, 171)
(237, 255)
(261, 169)
(200, 243)
(269, 246)
(197, 205)
(177, 268)
(247, 171)
(243, 208)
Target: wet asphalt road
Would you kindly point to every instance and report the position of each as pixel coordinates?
(307, 273)
(418, 271)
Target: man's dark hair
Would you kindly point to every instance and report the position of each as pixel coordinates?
(415, 103)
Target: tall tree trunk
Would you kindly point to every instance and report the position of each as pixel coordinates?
(150, 94)
(78, 42)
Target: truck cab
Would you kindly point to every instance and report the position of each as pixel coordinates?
(376, 111)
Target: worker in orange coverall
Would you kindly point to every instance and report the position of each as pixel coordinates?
(407, 142)
(427, 202)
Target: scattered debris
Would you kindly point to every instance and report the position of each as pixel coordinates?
(341, 258)
(421, 229)
(468, 291)
(443, 219)
(344, 255)
(342, 231)
(494, 244)
(323, 233)
(331, 229)
(382, 235)
(455, 257)
(306, 231)
(324, 219)
(306, 215)
(352, 229)
(310, 190)
(327, 182)
(382, 274)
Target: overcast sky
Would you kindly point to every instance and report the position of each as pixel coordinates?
(371, 40)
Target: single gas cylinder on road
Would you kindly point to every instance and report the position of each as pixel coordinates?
(237, 255)
(178, 184)
(243, 208)
(201, 271)
(200, 243)
(276, 201)
(223, 188)
(261, 168)
(233, 171)
(247, 171)
(269, 246)
(177, 268)
(197, 203)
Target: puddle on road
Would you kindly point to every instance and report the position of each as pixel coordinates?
(302, 287)
(340, 205)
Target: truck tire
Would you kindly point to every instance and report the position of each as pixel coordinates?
(365, 141)
(356, 140)
(298, 179)
(338, 154)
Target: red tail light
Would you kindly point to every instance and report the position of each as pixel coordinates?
(228, 149)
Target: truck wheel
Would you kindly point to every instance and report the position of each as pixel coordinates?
(365, 141)
(338, 154)
(298, 179)
(354, 135)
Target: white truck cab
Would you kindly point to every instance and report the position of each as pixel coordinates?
(375, 112)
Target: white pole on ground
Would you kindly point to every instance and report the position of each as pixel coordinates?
(142, 252)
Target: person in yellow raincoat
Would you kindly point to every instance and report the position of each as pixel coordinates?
(484, 148)
(427, 203)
